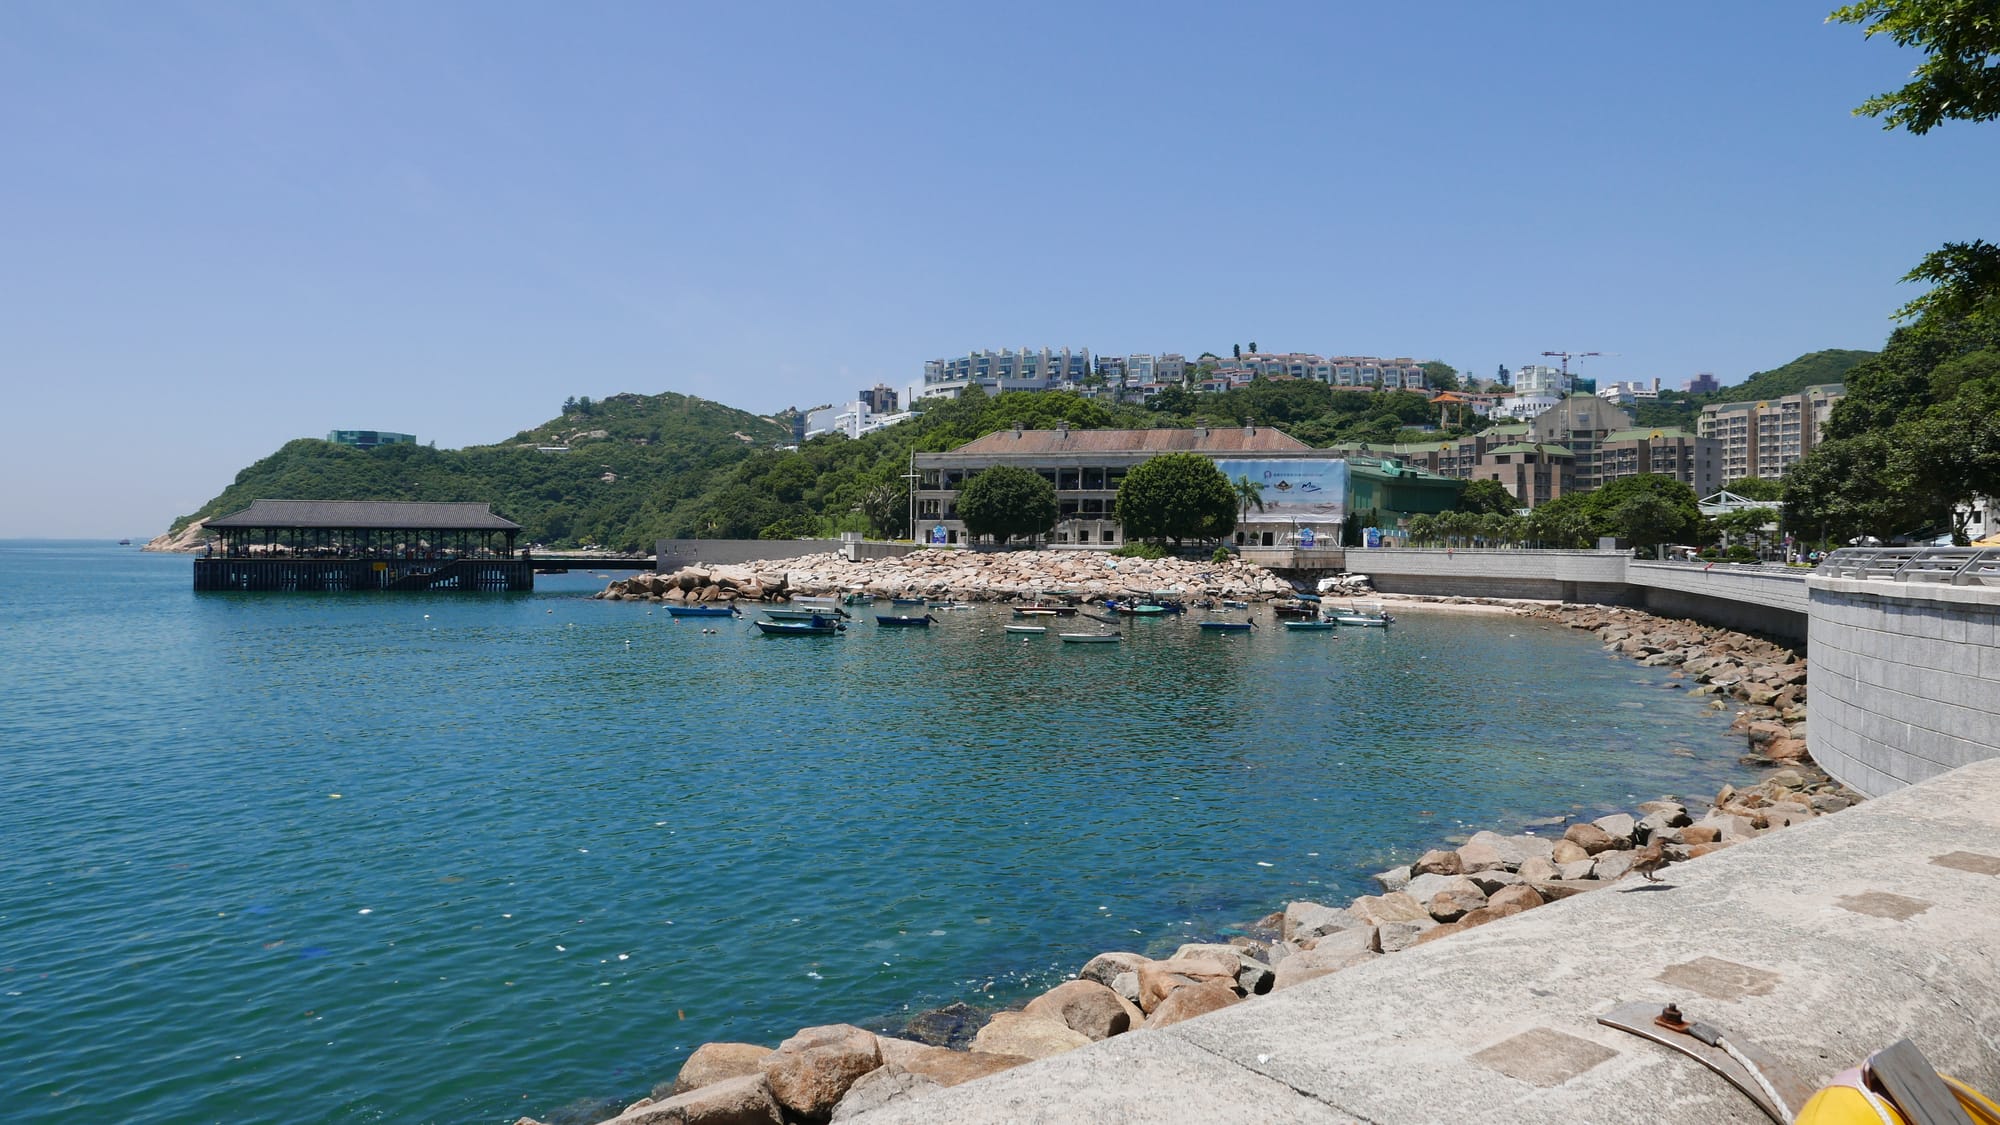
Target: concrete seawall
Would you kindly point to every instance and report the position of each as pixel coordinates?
(1905, 679)
(1819, 943)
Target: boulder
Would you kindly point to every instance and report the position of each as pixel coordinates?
(1785, 749)
(1105, 967)
(1392, 937)
(1698, 834)
(1305, 920)
(1537, 868)
(1490, 881)
(809, 1072)
(715, 1062)
(1619, 827)
(944, 1066)
(1527, 898)
(1377, 910)
(1438, 863)
(1612, 865)
(1036, 1037)
(1554, 889)
(1089, 1008)
(879, 1087)
(1194, 1000)
(1159, 978)
(1589, 837)
(1674, 811)
(1440, 932)
(1766, 730)
(1727, 826)
(733, 1101)
(1514, 850)
(1455, 901)
(1127, 985)
(953, 1025)
(1566, 851)
(1699, 850)
(1424, 887)
(1345, 941)
(1315, 962)
(1474, 858)
(1576, 869)
(1394, 879)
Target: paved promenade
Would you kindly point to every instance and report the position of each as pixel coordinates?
(1820, 943)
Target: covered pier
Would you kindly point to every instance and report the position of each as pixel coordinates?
(336, 545)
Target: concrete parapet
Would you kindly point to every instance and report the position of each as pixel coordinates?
(1905, 679)
(1572, 576)
(1819, 943)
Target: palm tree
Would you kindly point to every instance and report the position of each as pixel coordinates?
(1248, 492)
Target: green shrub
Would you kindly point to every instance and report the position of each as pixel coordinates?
(1141, 551)
(1220, 556)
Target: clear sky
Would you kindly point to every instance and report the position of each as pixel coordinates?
(223, 226)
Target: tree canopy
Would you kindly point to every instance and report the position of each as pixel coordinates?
(1177, 496)
(1487, 497)
(1646, 510)
(1007, 502)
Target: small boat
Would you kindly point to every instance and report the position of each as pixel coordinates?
(1136, 609)
(951, 605)
(1229, 626)
(819, 625)
(1376, 618)
(1039, 613)
(905, 620)
(858, 599)
(909, 601)
(1323, 625)
(816, 599)
(124, 542)
(1043, 609)
(1295, 611)
(702, 610)
(1090, 638)
(1031, 630)
(1232, 603)
(802, 613)
(1107, 618)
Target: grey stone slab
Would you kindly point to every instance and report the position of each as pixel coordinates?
(1144, 1077)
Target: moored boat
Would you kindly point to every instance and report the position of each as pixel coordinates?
(818, 625)
(1367, 617)
(1295, 610)
(858, 599)
(905, 620)
(1030, 630)
(1323, 625)
(1044, 609)
(801, 613)
(909, 601)
(1229, 626)
(702, 610)
(1090, 638)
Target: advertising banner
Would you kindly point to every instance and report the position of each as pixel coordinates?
(1305, 492)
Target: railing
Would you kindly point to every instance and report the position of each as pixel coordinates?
(1956, 566)
(1759, 568)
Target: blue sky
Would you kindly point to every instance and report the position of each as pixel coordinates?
(223, 226)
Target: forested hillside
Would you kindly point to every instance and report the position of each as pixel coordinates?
(1678, 408)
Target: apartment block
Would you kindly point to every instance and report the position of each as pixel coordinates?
(1766, 438)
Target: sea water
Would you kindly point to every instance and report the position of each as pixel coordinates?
(459, 858)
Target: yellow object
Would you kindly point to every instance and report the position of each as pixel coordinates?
(1847, 1100)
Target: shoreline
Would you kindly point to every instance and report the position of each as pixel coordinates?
(1445, 891)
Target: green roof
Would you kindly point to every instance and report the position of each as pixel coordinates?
(1375, 467)
(1524, 447)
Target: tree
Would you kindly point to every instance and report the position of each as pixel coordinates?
(1176, 496)
(1957, 81)
(1005, 501)
(1441, 376)
(1756, 488)
(1648, 509)
(887, 509)
(1487, 496)
(1248, 492)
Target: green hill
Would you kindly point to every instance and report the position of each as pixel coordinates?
(1678, 408)
(628, 461)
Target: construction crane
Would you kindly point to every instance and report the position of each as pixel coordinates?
(1567, 356)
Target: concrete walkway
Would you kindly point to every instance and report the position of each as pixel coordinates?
(1819, 942)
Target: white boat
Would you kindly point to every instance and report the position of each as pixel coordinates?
(1090, 638)
(816, 600)
(801, 613)
(1034, 630)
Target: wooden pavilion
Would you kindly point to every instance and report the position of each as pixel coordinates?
(316, 545)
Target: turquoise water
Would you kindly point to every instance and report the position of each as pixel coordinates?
(458, 859)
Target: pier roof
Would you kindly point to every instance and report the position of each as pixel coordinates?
(366, 514)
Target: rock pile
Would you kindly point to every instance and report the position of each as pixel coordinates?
(956, 575)
(1766, 679)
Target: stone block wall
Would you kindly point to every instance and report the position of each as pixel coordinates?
(1905, 679)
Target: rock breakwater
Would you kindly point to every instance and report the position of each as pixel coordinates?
(958, 576)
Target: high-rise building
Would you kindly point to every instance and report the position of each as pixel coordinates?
(880, 399)
(1703, 383)
(1765, 439)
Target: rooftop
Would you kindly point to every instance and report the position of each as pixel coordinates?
(1231, 439)
(391, 515)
